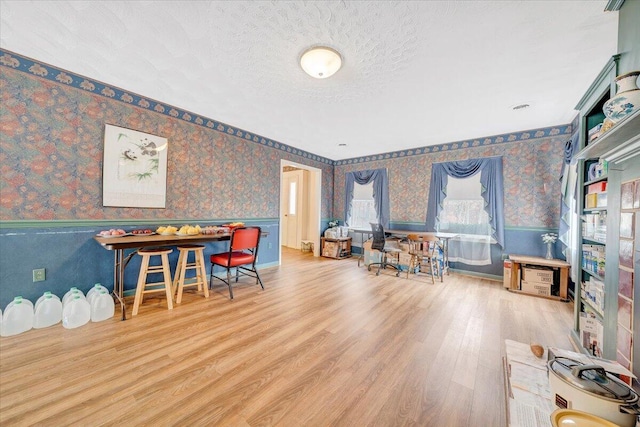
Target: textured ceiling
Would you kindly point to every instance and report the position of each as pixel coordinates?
(415, 73)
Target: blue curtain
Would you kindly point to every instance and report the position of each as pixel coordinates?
(492, 190)
(568, 186)
(380, 193)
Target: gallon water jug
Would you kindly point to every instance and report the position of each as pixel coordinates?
(48, 311)
(76, 312)
(17, 317)
(47, 294)
(102, 307)
(95, 291)
(71, 294)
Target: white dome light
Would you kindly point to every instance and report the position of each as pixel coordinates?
(320, 62)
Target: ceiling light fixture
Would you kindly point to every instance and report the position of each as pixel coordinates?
(321, 62)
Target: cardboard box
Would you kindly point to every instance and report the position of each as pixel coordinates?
(536, 288)
(330, 249)
(507, 274)
(537, 275)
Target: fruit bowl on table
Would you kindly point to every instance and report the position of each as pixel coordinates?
(113, 233)
(167, 231)
(142, 232)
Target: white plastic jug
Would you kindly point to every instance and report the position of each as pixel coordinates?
(17, 317)
(95, 291)
(48, 311)
(47, 294)
(76, 312)
(71, 294)
(102, 306)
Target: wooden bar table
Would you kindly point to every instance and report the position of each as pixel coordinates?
(518, 260)
(119, 244)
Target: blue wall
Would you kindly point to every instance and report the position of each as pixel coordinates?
(72, 257)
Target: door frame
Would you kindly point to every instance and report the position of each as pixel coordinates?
(315, 204)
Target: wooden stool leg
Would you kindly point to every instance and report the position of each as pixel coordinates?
(167, 280)
(142, 280)
(176, 277)
(201, 272)
(181, 273)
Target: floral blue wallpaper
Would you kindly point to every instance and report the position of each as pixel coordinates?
(532, 168)
(51, 152)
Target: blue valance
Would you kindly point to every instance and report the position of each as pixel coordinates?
(492, 190)
(380, 193)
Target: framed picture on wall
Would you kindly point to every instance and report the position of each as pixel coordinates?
(134, 171)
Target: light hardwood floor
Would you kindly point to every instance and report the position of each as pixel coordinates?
(325, 344)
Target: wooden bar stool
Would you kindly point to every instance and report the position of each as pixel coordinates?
(183, 265)
(145, 269)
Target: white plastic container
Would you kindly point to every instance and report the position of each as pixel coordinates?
(102, 306)
(48, 311)
(42, 298)
(76, 312)
(17, 317)
(95, 291)
(71, 294)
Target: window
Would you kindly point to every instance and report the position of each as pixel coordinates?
(463, 212)
(293, 194)
(373, 193)
(463, 208)
(363, 210)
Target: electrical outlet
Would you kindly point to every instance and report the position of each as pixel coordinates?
(39, 275)
(269, 245)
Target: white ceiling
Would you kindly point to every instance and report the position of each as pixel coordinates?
(415, 73)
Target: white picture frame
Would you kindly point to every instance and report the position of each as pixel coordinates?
(134, 170)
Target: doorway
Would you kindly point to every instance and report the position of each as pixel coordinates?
(300, 205)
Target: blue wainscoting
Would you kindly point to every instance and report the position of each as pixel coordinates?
(72, 257)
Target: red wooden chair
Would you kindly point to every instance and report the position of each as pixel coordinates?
(242, 255)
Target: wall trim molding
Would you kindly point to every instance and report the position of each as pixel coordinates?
(19, 224)
(39, 69)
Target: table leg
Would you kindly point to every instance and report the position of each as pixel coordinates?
(118, 286)
(362, 233)
(444, 245)
(120, 263)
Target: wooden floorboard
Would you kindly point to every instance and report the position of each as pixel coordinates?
(326, 343)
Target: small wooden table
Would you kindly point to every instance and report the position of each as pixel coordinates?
(518, 260)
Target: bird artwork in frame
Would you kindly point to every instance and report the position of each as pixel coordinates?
(134, 170)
